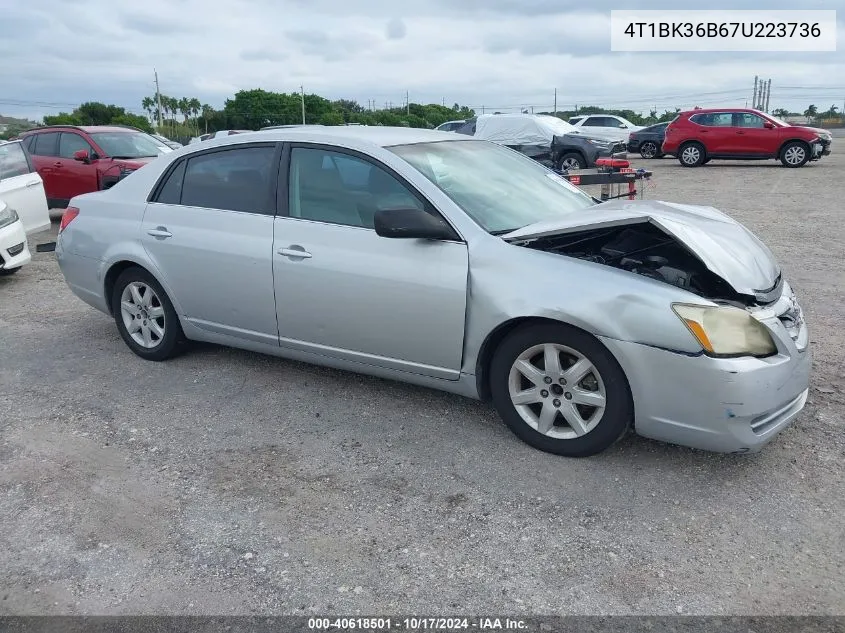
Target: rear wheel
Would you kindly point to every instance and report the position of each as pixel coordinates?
(560, 390)
(691, 154)
(649, 150)
(795, 154)
(145, 316)
(571, 160)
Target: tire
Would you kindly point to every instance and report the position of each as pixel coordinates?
(649, 149)
(795, 154)
(571, 160)
(594, 429)
(691, 154)
(163, 341)
(5, 272)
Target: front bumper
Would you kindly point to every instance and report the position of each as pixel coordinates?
(726, 405)
(14, 251)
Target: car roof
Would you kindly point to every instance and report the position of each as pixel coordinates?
(85, 128)
(708, 110)
(380, 136)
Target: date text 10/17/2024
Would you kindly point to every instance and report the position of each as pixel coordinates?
(416, 624)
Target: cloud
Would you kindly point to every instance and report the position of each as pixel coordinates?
(396, 29)
(499, 54)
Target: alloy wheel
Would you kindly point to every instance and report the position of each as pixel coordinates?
(648, 150)
(557, 391)
(570, 163)
(794, 155)
(691, 155)
(143, 314)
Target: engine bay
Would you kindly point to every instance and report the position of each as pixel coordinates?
(643, 249)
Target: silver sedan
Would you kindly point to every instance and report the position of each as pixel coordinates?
(457, 264)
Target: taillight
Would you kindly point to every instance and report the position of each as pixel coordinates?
(67, 217)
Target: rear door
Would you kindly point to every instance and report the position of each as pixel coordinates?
(45, 155)
(74, 177)
(715, 131)
(209, 230)
(21, 187)
(344, 291)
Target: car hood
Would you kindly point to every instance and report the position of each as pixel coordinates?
(723, 245)
(592, 137)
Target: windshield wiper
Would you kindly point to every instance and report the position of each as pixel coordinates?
(505, 231)
(125, 157)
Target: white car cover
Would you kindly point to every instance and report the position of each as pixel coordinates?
(520, 129)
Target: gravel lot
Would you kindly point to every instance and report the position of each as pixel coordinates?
(229, 482)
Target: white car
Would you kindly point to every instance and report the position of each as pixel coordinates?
(606, 125)
(23, 206)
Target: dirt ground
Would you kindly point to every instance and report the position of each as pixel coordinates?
(228, 482)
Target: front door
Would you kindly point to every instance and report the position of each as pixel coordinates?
(73, 177)
(344, 291)
(753, 138)
(209, 231)
(21, 188)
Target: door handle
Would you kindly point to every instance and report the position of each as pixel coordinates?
(34, 183)
(740, 132)
(294, 251)
(160, 231)
(57, 164)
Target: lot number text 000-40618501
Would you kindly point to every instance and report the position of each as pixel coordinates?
(702, 31)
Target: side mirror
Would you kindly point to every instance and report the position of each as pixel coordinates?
(769, 125)
(82, 156)
(411, 223)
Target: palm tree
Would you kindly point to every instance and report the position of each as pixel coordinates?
(811, 112)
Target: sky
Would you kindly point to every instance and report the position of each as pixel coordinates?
(500, 55)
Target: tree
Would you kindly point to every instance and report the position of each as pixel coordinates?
(811, 112)
(780, 113)
(332, 118)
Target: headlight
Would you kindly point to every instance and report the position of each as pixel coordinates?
(726, 331)
(598, 142)
(8, 216)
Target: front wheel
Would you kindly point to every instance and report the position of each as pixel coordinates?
(145, 316)
(795, 154)
(5, 272)
(560, 390)
(571, 160)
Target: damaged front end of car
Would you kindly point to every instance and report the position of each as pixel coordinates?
(697, 249)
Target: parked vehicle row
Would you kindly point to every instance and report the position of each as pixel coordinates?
(448, 261)
(23, 206)
(547, 139)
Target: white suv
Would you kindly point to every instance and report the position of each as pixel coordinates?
(608, 125)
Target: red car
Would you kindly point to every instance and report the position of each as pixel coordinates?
(75, 160)
(700, 135)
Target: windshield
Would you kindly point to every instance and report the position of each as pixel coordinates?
(127, 144)
(501, 189)
(778, 121)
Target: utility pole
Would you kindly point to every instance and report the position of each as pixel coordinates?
(754, 94)
(555, 110)
(768, 95)
(407, 103)
(302, 92)
(158, 99)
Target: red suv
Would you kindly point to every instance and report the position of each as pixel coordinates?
(700, 135)
(75, 160)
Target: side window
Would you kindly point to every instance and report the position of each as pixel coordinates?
(593, 121)
(70, 143)
(12, 161)
(234, 179)
(713, 119)
(46, 144)
(171, 191)
(327, 186)
(746, 119)
(574, 120)
(29, 142)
